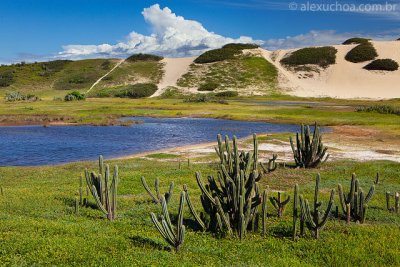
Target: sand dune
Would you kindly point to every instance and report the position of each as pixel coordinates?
(344, 79)
(174, 68)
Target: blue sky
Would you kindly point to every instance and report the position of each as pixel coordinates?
(46, 29)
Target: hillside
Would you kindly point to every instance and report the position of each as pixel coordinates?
(309, 72)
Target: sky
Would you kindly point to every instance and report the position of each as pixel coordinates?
(37, 30)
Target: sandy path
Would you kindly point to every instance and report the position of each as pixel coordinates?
(105, 75)
(344, 79)
(174, 68)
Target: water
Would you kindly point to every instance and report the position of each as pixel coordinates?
(38, 145)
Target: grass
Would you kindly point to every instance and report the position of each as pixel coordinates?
(244, 74)
(39, 226)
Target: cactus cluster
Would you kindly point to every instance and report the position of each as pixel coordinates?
(396, 207)
(231, 201)
(355, 203)
(104, 190)
(156, 198)
(173, 235)
(315, 220)
(309, 152)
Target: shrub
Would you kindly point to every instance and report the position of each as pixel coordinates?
(17, 96)
(362, 53)
(197, 99)
(216, 55)
(75, 95)
(398, 39)
(240, 46)
(356, 40)
(322, 56)
(208, 86)
(227, 94)
(55, 65)
(138, 90)
(6, 78)
(143, 57)
(383, 64)
(382, 109)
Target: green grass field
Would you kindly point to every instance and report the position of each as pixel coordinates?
(39, 225)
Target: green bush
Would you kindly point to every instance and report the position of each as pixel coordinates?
(202, 98)
(240, 46)
(322, 56)
(382, 109)
(143, 57)
(216, 55)
(356, 40)
(227, 94)
(362, 53)
(74, 96)
(6, 78)
(208, 86)
(138, 90)
(383, 64)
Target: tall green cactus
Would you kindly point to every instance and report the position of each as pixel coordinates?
(315, 220)
(355, 203)
(396, 207)
(230, 201)
(279, 204)
(271, 165)
(104, 192)
(164, 225)
(156, 198)
(295, 210)
(309, 152)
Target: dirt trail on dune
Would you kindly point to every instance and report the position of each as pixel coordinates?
(105, 75)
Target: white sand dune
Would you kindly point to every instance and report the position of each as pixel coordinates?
(343, 79)
(174, 68)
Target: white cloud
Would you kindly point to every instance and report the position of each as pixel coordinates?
(320, 38)
(172, 36)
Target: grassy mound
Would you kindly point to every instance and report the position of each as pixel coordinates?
(383, 64)
(228, 51)
(243, 74)
(143, 57)
(321, 56)
(356, 40)
(138, 90)
(362, 53)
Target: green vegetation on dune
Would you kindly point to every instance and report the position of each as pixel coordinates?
(143, 57)
(356, 40)
(245, 74)
(228, 51)
(39, 225)
(383, 64)
(137, 90)
(321, 56)
(361, 53)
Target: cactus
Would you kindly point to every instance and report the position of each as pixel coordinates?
(264, 212)
(309, 152)
(396, 207)
(174, 237)
(83, 196)
(315, 220)
(156, 198)
(279, 204)
(377, 178)
(271, 165)
(355, 204)
(104, 192)
(295, 210)
(230, 201)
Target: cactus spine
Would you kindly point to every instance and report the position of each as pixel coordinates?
(230, 201)
(174, 237)
(396, 207)
(279, 204)
(355, 204)
(156, 198)
(295, 210)
(104, 192)
(315, 220)
(309, 152)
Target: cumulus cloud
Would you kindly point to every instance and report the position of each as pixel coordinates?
(172, 36)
